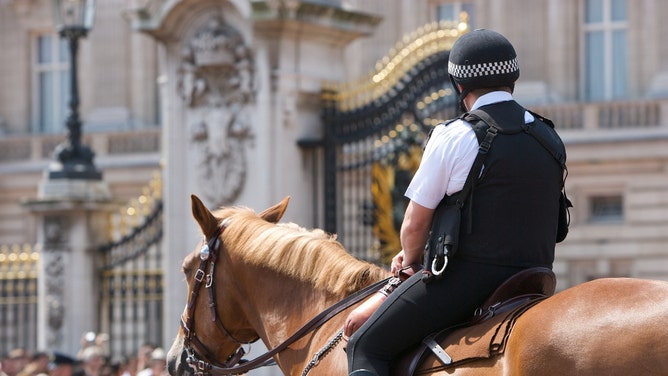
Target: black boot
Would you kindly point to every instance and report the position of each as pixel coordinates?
(362, 372)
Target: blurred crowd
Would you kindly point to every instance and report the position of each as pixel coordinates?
(92, 359)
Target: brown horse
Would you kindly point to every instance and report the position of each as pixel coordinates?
(266, 280)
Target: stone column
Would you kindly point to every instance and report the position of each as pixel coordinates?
(71, 217)
(237, 91)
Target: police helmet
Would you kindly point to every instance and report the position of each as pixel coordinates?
(482, 59)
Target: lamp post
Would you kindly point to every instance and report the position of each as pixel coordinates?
(72, 159)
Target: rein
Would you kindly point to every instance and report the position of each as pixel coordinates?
(234, 364)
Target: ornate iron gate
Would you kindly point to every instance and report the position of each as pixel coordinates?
(131, 275)
(374, 132)
(19, 269)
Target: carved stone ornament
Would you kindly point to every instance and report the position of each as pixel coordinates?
(216, 80)
(55, 229)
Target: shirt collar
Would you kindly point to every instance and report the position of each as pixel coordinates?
(492, 97)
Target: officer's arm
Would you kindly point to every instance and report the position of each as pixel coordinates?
(414, 232)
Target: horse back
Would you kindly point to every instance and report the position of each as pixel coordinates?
(611, 326)
(614, 326)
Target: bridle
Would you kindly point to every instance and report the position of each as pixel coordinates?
(200, 357)
(202, 360)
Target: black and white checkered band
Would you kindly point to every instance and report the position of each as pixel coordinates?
(483, 69)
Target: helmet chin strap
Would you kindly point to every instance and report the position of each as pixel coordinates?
(460, 94)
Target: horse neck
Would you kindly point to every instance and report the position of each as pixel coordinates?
(277, 307)
(277, 299)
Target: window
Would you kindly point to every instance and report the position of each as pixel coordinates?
(452, 12)
(605, 49)
(606, 209)
(51, 84)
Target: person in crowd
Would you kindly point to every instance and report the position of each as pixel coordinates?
(129, 367)
(15, 361)
(62, 365)
(119, 366)
(92, 359)
(38, 365)
(158, 365)
(41, 359)
(99, 340)
(144, 359)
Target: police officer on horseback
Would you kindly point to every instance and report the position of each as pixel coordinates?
(508, 222)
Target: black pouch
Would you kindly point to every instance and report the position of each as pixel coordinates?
(443, 238)
(564, 217)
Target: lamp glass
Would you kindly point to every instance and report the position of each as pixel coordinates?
(74, 14)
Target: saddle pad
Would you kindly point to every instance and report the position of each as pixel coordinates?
(467, 344)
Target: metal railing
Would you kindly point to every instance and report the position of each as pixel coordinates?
(19, 269)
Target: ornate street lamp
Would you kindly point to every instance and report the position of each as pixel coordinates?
(73, 19)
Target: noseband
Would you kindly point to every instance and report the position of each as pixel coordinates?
(200, 358)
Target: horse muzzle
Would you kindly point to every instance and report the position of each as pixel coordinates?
(176, 360)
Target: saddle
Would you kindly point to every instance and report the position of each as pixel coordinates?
(487, 332)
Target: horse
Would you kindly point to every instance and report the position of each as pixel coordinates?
(266, 279)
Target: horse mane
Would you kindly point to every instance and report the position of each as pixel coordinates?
(308, 255)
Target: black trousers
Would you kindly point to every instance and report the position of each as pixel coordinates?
(416, 309)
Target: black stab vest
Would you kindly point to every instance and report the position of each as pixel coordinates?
(514, 205)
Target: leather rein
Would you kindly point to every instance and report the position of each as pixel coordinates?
(202, 360)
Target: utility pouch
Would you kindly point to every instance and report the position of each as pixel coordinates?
(552, 143)
(564, 217)
(443, 238)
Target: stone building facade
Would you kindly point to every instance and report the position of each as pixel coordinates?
(215, 95)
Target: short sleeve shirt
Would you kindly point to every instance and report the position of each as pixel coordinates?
(448, 157)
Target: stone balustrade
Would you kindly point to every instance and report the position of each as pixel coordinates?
(571, 116)
(39, 147)
(607, 115)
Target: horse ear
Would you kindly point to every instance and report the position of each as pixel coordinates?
(275, 213)
(207, 222)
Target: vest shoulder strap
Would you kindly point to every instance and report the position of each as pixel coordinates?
(486, 130)
(547, 137)
(480, 123)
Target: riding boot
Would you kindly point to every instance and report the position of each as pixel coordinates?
(362, 372)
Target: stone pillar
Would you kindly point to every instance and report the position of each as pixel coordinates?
(240, 85)
(71, 217)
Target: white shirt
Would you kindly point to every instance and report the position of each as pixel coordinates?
(448, 157)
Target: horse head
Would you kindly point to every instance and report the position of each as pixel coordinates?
(213, 310)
